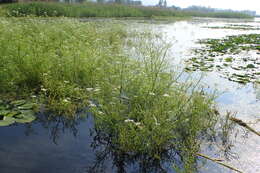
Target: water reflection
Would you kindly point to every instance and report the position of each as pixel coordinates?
(50, 144)
(58, 125)
(257, 91)
(107, 151)
(66, 145)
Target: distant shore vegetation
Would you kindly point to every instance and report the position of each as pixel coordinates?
(88, 9)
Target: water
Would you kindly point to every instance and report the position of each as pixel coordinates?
(241, 99)
(45, 146)
(56, 145)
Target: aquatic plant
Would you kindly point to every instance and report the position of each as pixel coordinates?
(235, 27)
(18, 111)
(139, 104)
(55, 60)
(150, 112)
(233, 44)
(223, 55)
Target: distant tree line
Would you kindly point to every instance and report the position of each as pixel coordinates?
(131, 2)
(7, 1)
(208, 9)
(162, 3)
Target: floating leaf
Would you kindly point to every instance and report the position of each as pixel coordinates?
(25, 117)
(12, 114)
(26, 106)
(250, 66)
(17, 111)
(6, 121)
(18, 102)
(229, 59)
(4, 112)
(2, 107)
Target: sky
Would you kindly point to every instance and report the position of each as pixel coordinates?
(225, 4)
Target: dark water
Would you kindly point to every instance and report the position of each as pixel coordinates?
(55, 146)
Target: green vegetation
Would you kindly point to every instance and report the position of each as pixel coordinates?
(138, 105)
(2, 11)
(223, 55)
(218, 14)
(235, 27)
(104, 10)
(233, 44)
(18, 111)
(86, 10)
(229, 59)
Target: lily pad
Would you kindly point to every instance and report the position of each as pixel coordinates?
(250, 66)
(2, 107)
(225, 61)
(6, 121)
(18, 111)
(236, 68)
(12, 113)
(229, 59)
(18, 102)
(4, 112)
(26, 106)
(25, 117)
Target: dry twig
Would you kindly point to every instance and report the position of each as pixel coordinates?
(219, 161)
(242, 123)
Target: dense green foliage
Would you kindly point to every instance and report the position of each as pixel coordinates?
(139, 107)
(85, 10)
(104, 10)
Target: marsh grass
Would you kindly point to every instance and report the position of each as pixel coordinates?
(139, 105)
(57, 59)
(104, 10)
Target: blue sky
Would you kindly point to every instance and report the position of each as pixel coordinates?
(226, 4)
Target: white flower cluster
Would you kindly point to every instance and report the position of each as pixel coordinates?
(132, 121)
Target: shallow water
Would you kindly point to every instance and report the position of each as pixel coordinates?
(63, 146)
(241, 99)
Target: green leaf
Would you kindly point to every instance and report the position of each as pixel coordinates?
(13, 113)
(2, 107)
(25, 117)
(26, 106)
(7, 121)
(4, 112)
(250, 66)
(18, 102)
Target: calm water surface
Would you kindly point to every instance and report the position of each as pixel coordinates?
(55, 145)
